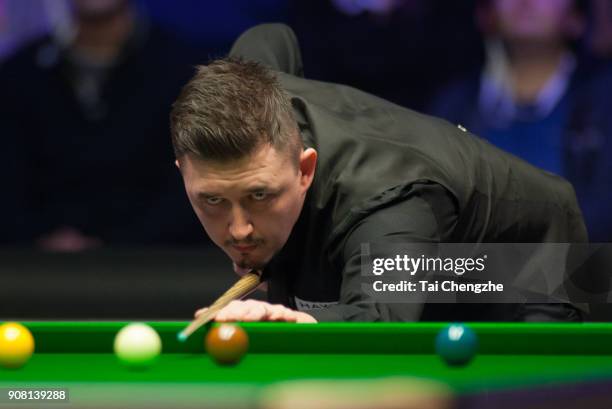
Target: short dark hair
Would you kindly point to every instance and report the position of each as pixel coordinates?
(231, 108)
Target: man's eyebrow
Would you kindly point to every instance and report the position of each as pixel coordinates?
(258, 188)
(207, 195)
(252, 189)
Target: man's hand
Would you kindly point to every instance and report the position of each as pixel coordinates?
(253, 310)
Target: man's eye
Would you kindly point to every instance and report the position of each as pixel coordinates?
(259, 196)
(213, 200)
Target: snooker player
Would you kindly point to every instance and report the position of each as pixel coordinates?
(291, 176)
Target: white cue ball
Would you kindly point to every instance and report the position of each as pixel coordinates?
(137, 345)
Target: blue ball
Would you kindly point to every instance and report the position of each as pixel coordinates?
(456, 344)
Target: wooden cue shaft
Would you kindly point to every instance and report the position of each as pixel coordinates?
(244, 286)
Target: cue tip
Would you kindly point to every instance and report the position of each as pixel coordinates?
(181, 336)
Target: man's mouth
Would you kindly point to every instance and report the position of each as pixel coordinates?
(245, 249)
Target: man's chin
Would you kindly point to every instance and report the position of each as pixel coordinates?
(250, 263)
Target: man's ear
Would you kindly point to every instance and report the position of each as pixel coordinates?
(178, 165)
(308, 165)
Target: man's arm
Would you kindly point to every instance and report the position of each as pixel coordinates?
(429, 217)
(426, 217)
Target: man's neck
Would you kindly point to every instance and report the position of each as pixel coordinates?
(102, 39)
(532, 66)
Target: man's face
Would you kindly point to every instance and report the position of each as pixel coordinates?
(249, 206)
(533, 19)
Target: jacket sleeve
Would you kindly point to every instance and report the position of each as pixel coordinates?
(426, 218)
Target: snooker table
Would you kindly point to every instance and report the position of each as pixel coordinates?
(524, 365)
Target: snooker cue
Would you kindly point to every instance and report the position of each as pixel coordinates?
(243, 287)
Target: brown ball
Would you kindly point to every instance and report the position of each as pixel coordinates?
(227, 343)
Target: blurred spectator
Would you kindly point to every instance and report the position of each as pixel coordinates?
(600, 39)
(84, 119)
(376, 45)
(533, 97)
(22, 21)
(588, 152)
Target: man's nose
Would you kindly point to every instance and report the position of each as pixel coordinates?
(240, 226)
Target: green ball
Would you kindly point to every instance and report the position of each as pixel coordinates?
(456, 344)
